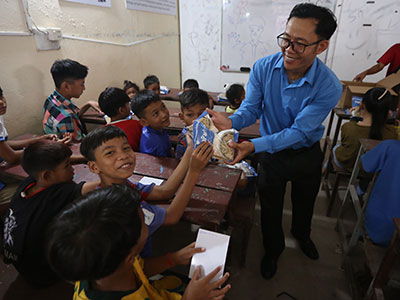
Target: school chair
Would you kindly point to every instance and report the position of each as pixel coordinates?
(384, 269)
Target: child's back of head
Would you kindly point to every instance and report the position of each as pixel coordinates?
(377, 102)
(44, 155)
(192, 97)
(90, 239)
(67, 70)
(111, 100)
(235, 95)
(97, 137)
(190, 83)
(142, 100)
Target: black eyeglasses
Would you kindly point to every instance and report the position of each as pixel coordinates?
(296, 46)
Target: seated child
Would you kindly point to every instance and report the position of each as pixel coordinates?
(114, 102)
(192, 83)
(152, 83)
(235, 95)
(374, 112)
(383, 203)
(111, 219)
(38, 199)
(193, 102)
(10, 152)
(110, 156)
(61, 115)
(130, 88)
(154, 116)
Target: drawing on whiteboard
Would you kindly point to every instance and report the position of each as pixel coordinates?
(255, 48)
(238, 15)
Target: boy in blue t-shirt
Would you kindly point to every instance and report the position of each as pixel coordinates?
(383, 203)
(110, 156)
(193, 101)
(154, 116)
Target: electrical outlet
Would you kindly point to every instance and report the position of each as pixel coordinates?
(54, 34)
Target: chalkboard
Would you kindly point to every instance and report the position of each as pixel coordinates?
(250, 27)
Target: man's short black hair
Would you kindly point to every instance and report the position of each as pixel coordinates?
(193, 96)
(141, 100)
(1, 92)
(111, 99)
(44, 155)
(129, 84)
(190, 83)
(98, 137)
(149, 80)
(326, 19)
(67, 70)
(92, 237)
(234, 92)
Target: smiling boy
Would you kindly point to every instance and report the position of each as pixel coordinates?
(154, 116)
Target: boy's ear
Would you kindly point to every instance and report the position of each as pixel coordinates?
(93, 167)
(45, 175)
(64, 85)
(143, 122)
(181, 116)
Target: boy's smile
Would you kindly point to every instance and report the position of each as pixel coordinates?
(115, 161)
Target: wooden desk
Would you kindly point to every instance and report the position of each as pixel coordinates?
(210, 198)
(173, 95)
(176, 125)
(341, 115)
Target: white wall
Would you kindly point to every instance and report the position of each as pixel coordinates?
(25, 77)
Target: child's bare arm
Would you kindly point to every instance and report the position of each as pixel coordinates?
(204, 289)
(9, 155)
(199, 160)
(156, 265)
(19, 144)
(89, 186)
(168, 189)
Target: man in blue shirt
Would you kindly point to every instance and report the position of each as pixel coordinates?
(291, 93)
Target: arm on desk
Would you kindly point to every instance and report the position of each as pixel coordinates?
(88, 105)
(198, 161)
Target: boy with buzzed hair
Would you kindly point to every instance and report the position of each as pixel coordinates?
(110, 156)
(114, 102)
(37, 200)
(152, 83)
(61, 115)
(154, 116)
(111, 219)
(193, 103)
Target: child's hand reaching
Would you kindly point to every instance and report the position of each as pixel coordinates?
(203, 289)
(95, 105)
(66, 138)
(201, 156)
(183, 256)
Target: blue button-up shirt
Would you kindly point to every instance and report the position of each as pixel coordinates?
(291, 114)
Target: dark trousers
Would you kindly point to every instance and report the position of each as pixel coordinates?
(303, 168)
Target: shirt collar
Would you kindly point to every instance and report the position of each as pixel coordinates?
(62, 99)
(308, 77)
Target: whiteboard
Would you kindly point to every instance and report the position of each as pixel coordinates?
(250, 27)
(366, 30)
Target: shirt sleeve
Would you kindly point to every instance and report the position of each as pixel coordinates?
(3, 131)
(373, 160)
(388, 56)
(145, 189)
(306, 123)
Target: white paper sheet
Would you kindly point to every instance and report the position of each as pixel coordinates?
(150, 180)
(216, 245)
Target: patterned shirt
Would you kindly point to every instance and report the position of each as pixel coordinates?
(61, 116)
